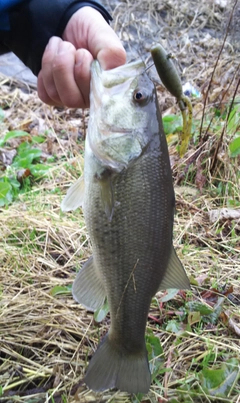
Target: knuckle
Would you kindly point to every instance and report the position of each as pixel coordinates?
(73, 102)
(50, 96)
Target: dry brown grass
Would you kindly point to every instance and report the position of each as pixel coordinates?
(46, 340)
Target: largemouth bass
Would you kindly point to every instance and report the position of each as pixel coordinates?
(128, 203)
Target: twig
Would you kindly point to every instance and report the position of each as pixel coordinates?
(214, 69)
(223, 130)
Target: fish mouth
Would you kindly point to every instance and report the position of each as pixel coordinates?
(107, 79)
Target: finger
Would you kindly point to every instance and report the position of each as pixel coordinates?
(110, 58)
(82, 73)
(46, 85)
(88, 29)
(42, 93)
(66, 64)
(105, 45)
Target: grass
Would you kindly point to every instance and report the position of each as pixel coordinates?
(46, 338)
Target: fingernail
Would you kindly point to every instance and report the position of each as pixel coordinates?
(109, 58)
(51, 43)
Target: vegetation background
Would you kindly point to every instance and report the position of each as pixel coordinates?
(46, 338)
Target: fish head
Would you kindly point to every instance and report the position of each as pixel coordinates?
(123, 112)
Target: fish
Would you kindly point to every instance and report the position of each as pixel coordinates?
(128, 202)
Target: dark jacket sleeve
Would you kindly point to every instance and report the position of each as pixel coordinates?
(33, 22)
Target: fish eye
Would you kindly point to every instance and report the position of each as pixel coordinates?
(139, 96)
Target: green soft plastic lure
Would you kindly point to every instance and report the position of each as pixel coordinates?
(171, 80)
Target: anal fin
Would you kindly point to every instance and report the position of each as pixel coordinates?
(87, 288)
(175, 275)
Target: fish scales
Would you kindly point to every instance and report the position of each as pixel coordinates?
(128, 202)
(134, 243)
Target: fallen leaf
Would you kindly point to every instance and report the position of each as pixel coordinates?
(200, 178)
(6, 156)
(194, 317)
(210, 296)
(202, 279)
(23, 174)
(227, 318)
(224, 214)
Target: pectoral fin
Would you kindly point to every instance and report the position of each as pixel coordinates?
(74, 197)
(87, 288)
(107, 196)
(175, 276)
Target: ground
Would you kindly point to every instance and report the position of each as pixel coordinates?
(46, 338)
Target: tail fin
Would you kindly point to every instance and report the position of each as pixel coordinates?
(112, 368)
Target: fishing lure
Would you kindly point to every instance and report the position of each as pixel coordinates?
(171, 80)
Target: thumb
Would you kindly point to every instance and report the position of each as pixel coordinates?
(111, 57)
(88, 29)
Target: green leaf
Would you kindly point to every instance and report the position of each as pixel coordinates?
(155, 353)
(199, 307)
(234, 117)
(101, 313)
(169, 118)
(6, 195)
(13, 134)
(154, 347)
(234, 147)
(25, 145)
(172, 124)
(38, 139)
(15, 184)
(137, 398)
(193, 280)
(26, 156)
(39, 169)
(173, 326)
(218, 382)
(21, 162)
(176, 327)
(171, 293)
(60, 289)
(194, 317)
(32, 153)
(5, 187)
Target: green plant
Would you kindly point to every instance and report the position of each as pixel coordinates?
(25, 168)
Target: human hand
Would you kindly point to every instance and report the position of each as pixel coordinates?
(64, 79)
